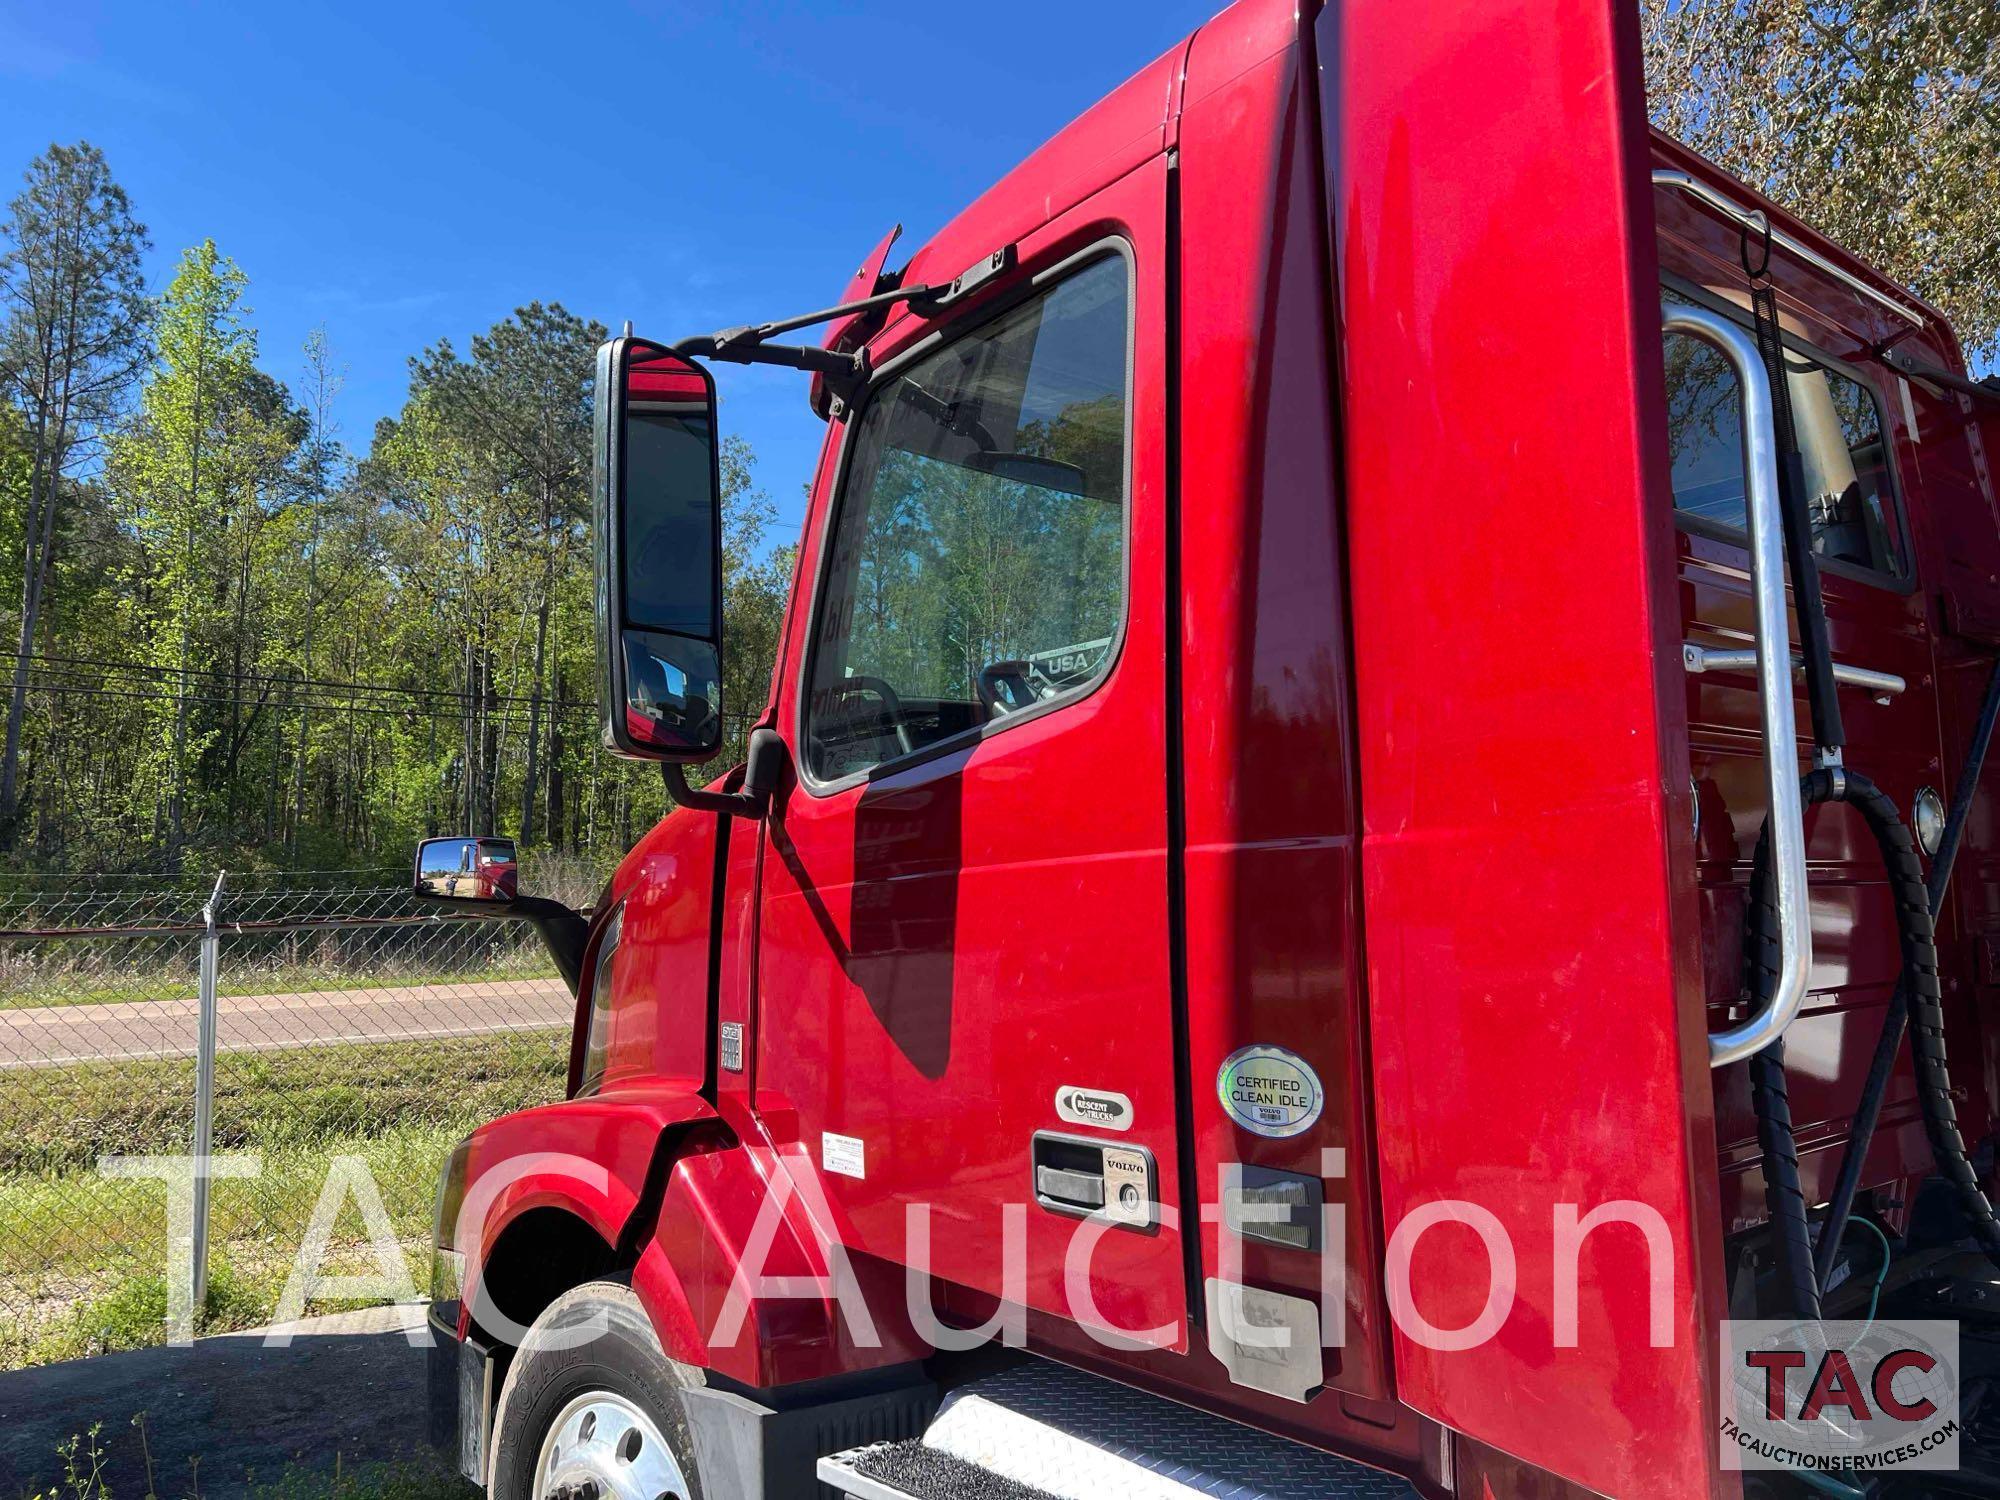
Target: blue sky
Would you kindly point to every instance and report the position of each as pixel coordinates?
(402, 173)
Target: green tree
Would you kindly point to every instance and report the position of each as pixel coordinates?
(755, 583)
(72, 341)
(1876, 121)
(521, 406)
(201, 475)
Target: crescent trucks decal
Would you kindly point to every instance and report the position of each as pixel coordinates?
(1099, 1107)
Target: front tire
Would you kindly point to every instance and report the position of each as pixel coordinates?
(603, 1418)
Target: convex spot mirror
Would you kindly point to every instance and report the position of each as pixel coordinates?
(658, 503)
(480, 870)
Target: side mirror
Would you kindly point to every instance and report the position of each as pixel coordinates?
(483, 871)
(658, 542)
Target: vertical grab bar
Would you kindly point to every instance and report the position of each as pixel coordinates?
(1774, 684)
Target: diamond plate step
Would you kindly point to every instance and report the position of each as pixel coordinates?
(911, 1471)
(1042, 1431)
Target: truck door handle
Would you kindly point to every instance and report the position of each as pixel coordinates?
(1699, 659)
(1070, 1189)
(1087, 1177)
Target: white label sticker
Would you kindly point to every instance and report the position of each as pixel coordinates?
(1269, 1091)
(1099, 1107)
(843, 1154)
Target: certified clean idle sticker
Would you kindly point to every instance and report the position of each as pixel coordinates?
(1099, 1107)
(1269, 1091)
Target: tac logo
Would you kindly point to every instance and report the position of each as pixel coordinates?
(1840, 1395)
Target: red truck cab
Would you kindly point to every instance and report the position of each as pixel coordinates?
(1253, 824)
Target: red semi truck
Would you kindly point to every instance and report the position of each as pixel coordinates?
(1384, 675)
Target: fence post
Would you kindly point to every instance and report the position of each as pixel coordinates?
(204, 1088)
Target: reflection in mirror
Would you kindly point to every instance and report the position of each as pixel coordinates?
(670, 500)
(468, 869)
(673, 691)
(663, 637)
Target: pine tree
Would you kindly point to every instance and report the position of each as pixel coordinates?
(72, 342)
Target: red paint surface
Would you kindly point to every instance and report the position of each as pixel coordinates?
(1406, 585)
(1528, 943)
(1273, 846)
(942, 949)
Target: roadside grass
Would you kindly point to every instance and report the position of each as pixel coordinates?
(365, 1482)
(84, 984)
(64, 1119)
(83, 1257)
(82, 1460)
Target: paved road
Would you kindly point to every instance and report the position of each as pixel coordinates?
(52, 1035)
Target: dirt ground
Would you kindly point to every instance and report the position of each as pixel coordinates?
(350, 1390)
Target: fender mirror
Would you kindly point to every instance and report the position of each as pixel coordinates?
(483, 875)
(482, 870)
(658, 542)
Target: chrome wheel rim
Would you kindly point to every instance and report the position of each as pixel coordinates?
(603, 1447)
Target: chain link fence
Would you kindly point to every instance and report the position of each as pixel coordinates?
(355, 1034)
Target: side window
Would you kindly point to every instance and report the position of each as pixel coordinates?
(977, 562)
(1705, 432)
(1847, 467)
(1840, 439)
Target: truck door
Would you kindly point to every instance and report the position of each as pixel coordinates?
(964, 953)
(1876, 619)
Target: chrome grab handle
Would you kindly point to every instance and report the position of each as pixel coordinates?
(1883, 685)
(1774, 685)
(1755, 218)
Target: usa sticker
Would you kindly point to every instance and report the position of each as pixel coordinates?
(1270, 1092)
(844, 1154)
(1099, 1107)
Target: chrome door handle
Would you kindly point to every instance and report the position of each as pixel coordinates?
(1772, 663)
(1881, 685)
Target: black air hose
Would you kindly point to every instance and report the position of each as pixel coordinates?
(1916, 933)
(1890, 1042)
(1916, 938)
(1784, 1198)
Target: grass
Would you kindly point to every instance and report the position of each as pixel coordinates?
(64, 1119)
(368, 1482)
(89, 985)
(82, 1257)
(82, 1460)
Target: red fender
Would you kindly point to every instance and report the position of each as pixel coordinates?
(588, 1157)
(708, 1232)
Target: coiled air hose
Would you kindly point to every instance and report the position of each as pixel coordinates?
(1784, 1198)
(1868, 1109)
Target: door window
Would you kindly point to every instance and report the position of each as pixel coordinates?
(977, 564)
(1840, 439)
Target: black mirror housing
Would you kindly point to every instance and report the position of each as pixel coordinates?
(483, 875)
(657, 498)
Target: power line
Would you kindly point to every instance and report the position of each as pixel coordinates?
(331, 707)
(153, 669)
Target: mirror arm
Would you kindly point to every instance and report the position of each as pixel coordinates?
(562, 931)
(926, 299)
(762, 763)
(739, 346)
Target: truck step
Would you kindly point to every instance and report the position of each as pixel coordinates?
(1042, 1431)
(915, 1471)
